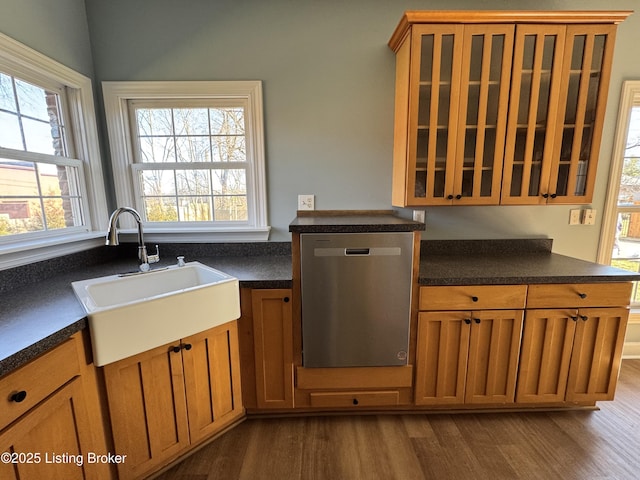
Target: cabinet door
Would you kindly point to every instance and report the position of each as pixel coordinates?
(585, 84)
(482, 115)
(273, 347)
(547, 341)
(533, 111)
(212, 379)
(57, 426)
(436, 54)
(493, 356)
(148, 408)
(441, 357)
(597, 351)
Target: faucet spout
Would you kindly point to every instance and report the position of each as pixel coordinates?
(112, 237)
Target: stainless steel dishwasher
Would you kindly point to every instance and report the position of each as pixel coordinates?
(356, 298)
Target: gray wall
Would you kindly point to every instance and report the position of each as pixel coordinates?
(57, 29)
(328, 87)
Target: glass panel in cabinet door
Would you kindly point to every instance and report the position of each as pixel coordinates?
(438, 81)
(483, 112)
(533, 110)
(587, 58)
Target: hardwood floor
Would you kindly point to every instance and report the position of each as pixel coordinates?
(582, 445)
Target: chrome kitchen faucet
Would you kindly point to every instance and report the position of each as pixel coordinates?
(112, 238)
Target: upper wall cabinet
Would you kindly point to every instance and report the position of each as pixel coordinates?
(499, 107)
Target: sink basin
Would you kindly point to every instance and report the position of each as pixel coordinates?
(134, 313)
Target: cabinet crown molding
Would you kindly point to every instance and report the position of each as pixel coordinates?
(411, 17)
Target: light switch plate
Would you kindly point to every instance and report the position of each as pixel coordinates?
(306, 202)
(589, 217)
(574, 216)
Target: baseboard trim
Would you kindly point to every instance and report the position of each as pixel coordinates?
(631, 350)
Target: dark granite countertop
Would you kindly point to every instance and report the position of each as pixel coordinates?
(352, 222)
(508, 262)
(40, 314)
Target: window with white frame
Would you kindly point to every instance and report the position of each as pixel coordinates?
(189, 156)
(620, 237)
(51, 184)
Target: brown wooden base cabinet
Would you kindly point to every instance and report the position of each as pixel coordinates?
(164, 400)
(49, 408)
(571, 356)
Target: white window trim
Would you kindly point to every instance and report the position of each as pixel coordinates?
(630, 96)
(23, 59)
(116, 98)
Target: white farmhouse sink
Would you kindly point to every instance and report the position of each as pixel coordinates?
(135, 313)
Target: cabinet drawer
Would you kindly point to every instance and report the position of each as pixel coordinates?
(37, 379)
(579, 295)
(354, 399)
(472, 297)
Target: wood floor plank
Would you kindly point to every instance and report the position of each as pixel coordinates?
(578, 445)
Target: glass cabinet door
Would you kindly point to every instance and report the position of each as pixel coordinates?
(482, 117)
(435, 79)
(585, 74)
(535, 94)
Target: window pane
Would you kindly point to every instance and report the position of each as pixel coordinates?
(195, 209)
(10, 135)
(38, 137)
(230, 208)
(229, 149)
(158, 182)
(32, 100)
(18, 178)
(231, 181)
(7, 98)
(193, 149)
(191, 121)
(193, 182)
(159, 209)
(225, 121)
(38, 196)
(154, 121)
(157, 149)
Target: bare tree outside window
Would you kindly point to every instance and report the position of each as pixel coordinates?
(192, 164)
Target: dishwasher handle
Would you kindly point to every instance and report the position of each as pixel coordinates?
(356, 251)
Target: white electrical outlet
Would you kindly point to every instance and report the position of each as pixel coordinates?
(574, 216)
(306, 202)
(419, 216)
(589, 217)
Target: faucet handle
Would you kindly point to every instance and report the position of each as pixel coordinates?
(155, 257)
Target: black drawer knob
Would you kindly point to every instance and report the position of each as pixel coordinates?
(19, 396)
(176, 349)
(467, 321)
(582, 295)
(477, 320)
(474, 299)
(355, 401)
(285, 299)
(187, 346)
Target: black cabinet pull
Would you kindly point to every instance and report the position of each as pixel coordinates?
(584, 318)
(467, 321)
(458, 197)
(545, 195)
(553, 195)
(176, 349)
(187, 346)
(477, 320)
(449, 197)
(285, 299)
(19, 396)
(582, 295)
(574, 318)
(355, 401)
(474, 299)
